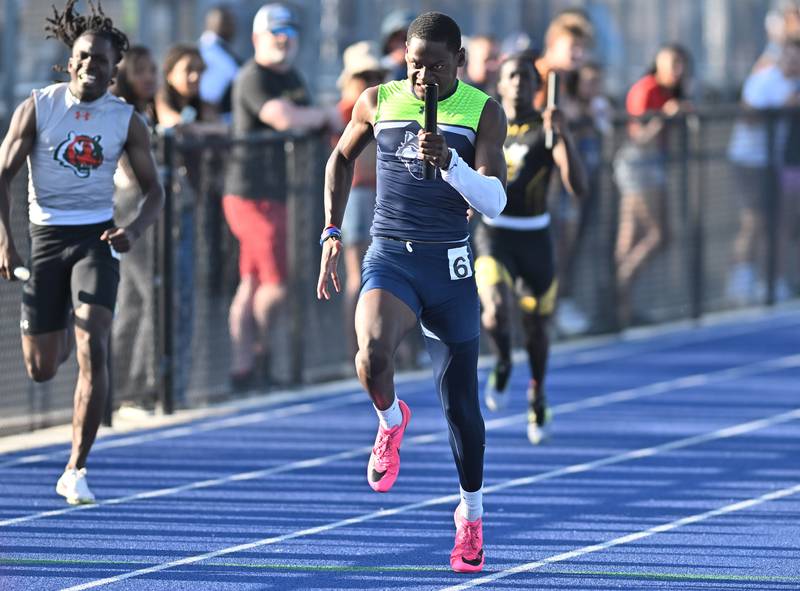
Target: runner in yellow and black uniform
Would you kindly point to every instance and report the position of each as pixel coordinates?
(515, 253)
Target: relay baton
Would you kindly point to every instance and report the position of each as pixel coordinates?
(431, 103)
(22, 273)
(552, 101)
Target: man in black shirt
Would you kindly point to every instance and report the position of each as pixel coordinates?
(515, 253)
(268, 94)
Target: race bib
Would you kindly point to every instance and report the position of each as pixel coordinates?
(458, 259)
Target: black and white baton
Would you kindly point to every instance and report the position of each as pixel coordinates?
(431, 103)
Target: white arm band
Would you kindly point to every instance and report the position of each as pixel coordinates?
(483, 193)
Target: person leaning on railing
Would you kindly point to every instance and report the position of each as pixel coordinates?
(640, 167)
(774, 86)
(268, 94)
(362, 69)
(180, 109)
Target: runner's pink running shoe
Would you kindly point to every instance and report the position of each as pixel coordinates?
(467, 555)
(384, 461)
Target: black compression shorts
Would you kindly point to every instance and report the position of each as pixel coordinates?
(522, 258)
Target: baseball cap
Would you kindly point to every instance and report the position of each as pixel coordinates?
(397, 20)
(272, 17)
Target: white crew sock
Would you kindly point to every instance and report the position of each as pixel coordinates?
(472, 504)
(392, 416)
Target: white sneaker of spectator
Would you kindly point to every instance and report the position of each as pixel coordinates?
(570, 319)
(742, 287)
(73, 486)
(783, 293)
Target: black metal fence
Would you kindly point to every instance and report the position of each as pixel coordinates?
(193, 269)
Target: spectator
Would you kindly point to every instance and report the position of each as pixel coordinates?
(589, 115)
(393, 33)
(482, 63)
(781, 24)
(222, 64)
(362, 69)
(180, 108)
(516, 42)
(639, 167)
(178, 103)
(268, 95)
(133, 329)
(566, 44)
(770, 87)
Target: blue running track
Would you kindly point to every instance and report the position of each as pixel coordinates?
(673, 465)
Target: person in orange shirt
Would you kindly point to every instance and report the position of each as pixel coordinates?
(362, 69)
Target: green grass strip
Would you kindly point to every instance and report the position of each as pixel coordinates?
(673, 576)
(407, 568)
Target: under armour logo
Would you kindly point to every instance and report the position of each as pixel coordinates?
(421, 109)
(84, 114)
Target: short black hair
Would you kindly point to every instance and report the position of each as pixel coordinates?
(69, 26)
(438, 27)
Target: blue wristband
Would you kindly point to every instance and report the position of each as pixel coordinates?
(330, 232)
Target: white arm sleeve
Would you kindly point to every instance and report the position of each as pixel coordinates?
(483, 193)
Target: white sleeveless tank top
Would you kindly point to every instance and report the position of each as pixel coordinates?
(71, 168)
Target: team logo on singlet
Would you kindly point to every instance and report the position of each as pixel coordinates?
(515, 158)
(408, 152)
(80, 153)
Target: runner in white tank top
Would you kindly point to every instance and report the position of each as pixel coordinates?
(78, 144)
(72, 135)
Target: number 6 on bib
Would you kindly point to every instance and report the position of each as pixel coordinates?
(459, 263)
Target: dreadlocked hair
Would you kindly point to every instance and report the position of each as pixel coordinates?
(68, 26)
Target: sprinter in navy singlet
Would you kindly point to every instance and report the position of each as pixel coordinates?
(419, 267)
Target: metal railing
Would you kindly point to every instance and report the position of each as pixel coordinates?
(195, 270)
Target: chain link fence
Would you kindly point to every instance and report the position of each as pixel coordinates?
(190, 268)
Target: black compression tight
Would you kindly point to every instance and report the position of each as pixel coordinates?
(456, 376)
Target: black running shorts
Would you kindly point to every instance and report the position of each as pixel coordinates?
(69, 266)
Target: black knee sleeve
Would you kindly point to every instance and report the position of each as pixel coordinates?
(455, 371)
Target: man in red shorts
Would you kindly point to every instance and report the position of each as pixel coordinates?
(268, 94)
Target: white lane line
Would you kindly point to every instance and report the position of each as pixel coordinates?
(564, 355)
(643, 341)
(727, 432)
(682, 383)
(565, 408)
(627, 539)
(172, 433)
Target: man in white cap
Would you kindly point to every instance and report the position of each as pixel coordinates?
(268, 94)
